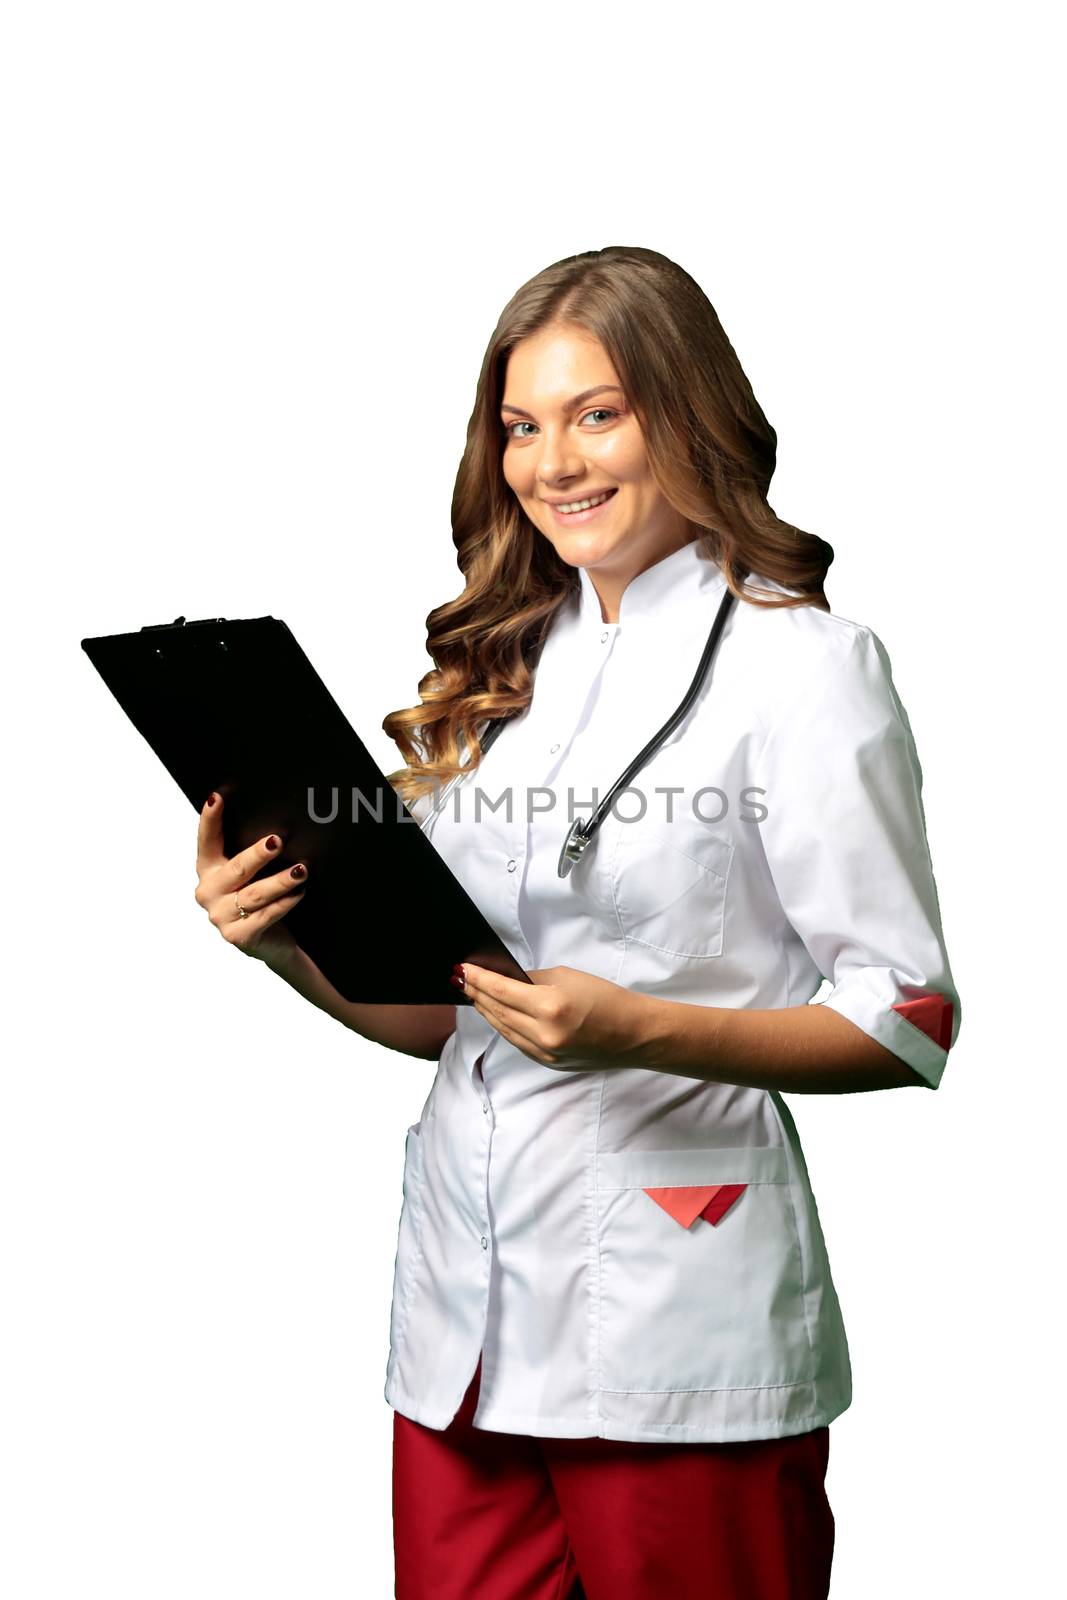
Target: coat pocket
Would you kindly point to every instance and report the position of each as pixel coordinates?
(669, 883)
(701, 1272)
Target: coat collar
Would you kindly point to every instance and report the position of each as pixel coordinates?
(677, 580)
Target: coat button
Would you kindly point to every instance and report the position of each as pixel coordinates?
(552, 749)
(511, 866)
(485, 1108)
(603, 636)
(485, 1242)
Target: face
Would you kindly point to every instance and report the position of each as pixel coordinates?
(569, 436)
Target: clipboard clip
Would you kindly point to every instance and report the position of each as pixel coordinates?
(180, 622)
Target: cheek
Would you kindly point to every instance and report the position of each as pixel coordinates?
(625, 459)
(518, 469)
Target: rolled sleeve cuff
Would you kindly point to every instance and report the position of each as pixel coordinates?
(920, 1027)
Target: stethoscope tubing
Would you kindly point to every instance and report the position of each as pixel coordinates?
(583, 830)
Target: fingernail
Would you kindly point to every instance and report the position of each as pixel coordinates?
(459, 973)
(457, 981)
(298, 871)
(212, 797)
(272, 843)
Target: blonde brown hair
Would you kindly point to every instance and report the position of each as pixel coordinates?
(711, 453)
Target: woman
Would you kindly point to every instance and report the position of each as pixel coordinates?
(616, 1345)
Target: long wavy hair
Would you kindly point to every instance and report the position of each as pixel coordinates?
(711, 453)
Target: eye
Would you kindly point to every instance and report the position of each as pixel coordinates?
(597, 411)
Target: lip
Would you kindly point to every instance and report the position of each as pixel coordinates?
(570, 518)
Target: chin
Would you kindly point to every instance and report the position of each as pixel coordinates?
(589, 552)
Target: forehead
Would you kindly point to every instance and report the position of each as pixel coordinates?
(554, 364)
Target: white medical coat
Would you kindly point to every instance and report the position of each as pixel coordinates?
(553, 1220)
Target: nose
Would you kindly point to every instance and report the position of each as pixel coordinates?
(557, 471)
(559, 462)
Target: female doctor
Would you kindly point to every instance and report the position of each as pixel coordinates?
(616, 1346)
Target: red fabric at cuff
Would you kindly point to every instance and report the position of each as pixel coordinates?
(932, 1015)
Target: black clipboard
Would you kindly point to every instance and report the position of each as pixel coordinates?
(237, 707)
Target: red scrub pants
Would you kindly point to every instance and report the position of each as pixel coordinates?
(507, 1516)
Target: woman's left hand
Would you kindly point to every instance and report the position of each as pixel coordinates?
(564, 1018)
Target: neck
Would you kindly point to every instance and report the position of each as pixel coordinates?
(610, 586)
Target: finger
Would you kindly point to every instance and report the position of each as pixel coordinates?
(265, 891)
(519, 1040)
(511, 1025)
(209, 851)
(246, 863)
(246, 930)
(524, 998)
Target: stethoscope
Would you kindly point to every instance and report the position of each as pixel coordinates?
(582, 832)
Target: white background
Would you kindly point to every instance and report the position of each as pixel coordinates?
(252, 258)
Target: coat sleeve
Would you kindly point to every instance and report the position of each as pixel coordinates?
(845, 841)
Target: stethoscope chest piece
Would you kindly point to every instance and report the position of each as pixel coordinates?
(573, 846)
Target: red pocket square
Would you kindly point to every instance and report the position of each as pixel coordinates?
(722, 1200)
(686, 1203)
(932, 1015)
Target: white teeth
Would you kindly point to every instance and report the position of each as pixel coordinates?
(584, 505)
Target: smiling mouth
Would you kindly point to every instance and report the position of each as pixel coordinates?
(580, 509)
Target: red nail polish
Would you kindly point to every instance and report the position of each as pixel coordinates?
(212, 797)
(271, 843)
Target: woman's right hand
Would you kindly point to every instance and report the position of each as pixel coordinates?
(223, 884)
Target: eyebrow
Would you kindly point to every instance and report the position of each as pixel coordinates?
(576, 400)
